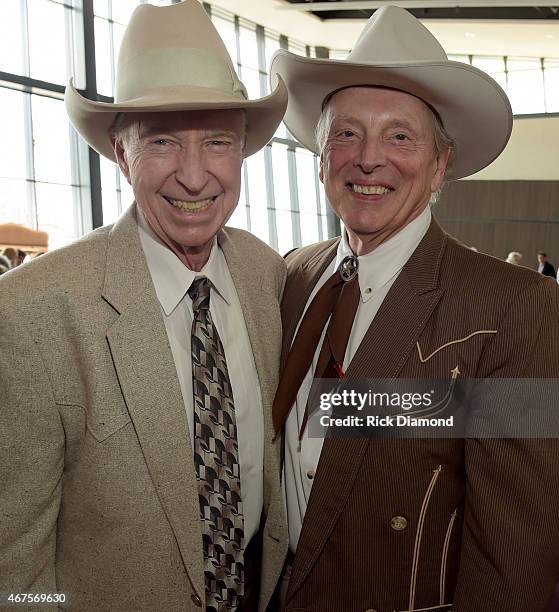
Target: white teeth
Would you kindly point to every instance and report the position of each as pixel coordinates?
(185, 205)
(370, 189)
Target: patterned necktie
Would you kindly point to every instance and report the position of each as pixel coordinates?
(216, 455)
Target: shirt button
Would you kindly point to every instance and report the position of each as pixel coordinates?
(367, 291)
(398, 523)
(197, 601)
(310, 474)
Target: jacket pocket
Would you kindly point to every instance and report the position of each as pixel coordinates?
(425, 358)
(104, 426)
(419, 534)
(446, 546)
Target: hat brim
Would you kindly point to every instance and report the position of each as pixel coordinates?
(473, 108)
(93, 120)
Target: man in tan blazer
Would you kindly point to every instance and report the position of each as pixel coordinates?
(387, 524)
(138, 365)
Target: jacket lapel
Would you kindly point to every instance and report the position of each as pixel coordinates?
(257, 305)
(260, 310)
(300, 284)
(146, 371)
(402, 316)
(382, 354)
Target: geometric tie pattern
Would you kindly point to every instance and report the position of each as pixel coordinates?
(216, 456)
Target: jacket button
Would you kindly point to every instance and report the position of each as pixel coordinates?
(197, 601)
(370, 610)
(398, 523)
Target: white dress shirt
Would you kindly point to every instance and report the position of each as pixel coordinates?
(172, 280)
(377, 272)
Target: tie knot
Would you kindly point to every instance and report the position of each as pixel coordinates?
(199, 292)
(348, 268)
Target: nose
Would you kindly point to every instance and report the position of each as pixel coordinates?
(371, 155)
(191, 170)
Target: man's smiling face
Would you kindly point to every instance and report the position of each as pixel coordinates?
(379, 163)
(185, 170)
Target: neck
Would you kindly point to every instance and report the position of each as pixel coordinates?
(362, 243)
(194, 258)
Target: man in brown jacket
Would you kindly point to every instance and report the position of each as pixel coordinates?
(384, 525)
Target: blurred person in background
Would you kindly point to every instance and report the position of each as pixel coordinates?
(544, 266)
(5, 264)
(12, 255)
(514, 257)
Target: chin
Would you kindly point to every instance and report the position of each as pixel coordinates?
(363, 224)
(194, 242)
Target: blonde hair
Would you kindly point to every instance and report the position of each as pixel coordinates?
(514, 257)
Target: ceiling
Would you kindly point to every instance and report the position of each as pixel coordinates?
(437, 9)
(512, 36)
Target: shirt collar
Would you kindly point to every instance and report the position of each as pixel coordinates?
(383, 263)
(171, 278)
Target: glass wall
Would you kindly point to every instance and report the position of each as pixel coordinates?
(44, 174)
(532, 84)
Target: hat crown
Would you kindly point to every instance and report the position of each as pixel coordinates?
(396, 51)
(172, 59)
(392, 34)
(173, 46)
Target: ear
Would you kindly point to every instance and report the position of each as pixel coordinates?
(120, 155)
(321, 169)
(438, 177)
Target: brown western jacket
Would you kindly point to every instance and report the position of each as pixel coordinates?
(469, 525)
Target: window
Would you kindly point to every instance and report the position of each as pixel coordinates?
(551, 84)
(270, 195)
(525, 85)
(44, 180)
(282, 197)
(336, 54)
(12, 50)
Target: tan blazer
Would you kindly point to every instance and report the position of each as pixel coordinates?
(398, 525)
(98, 495)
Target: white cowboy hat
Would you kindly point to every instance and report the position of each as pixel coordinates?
(173, 59)
(395, 50)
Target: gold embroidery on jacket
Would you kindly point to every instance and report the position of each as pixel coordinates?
(446, 546)
(425, 359)
(442, 404)
(419, 535)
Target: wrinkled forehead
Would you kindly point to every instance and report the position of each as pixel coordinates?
(222, 120)
(390, 102)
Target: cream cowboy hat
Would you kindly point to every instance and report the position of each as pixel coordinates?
(395, 50)
(173, 59)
